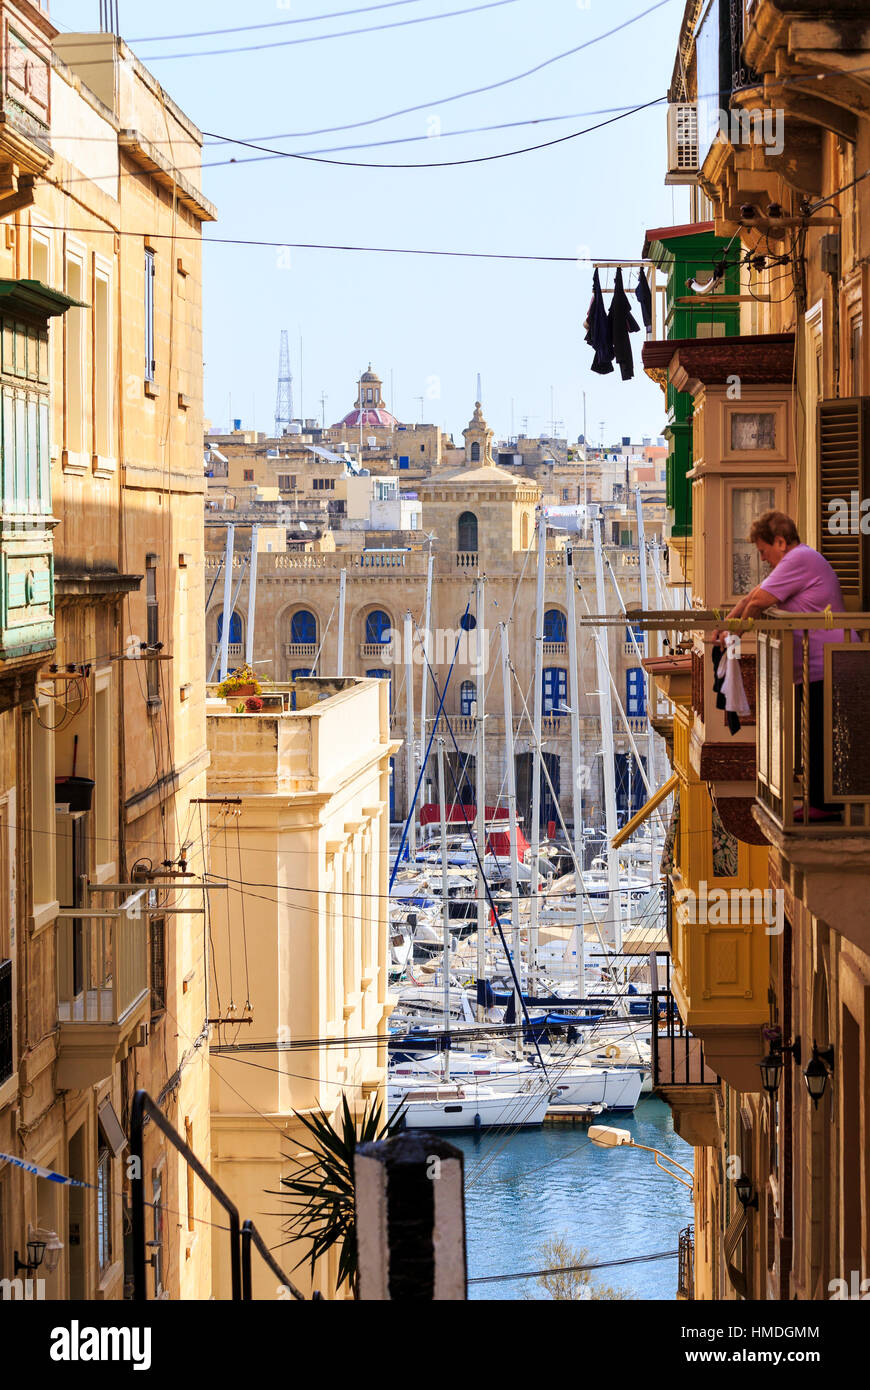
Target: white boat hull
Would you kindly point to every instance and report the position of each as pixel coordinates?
(469, 1107)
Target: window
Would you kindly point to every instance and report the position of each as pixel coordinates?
(104, 1206)
(635, 694)
(404, 461)
(467, 697)
(157, 1231)
(303, 627)
(248, 475)
(152, 626)
(75, 359)
(555, 626)
(157, 953)
(378, 627)
(286, 482)
(42, 807)
(634, 635)
(855, 327)
(104, 788)
(475, 452)
(235, 627)
(102, 369)
(747, 567)
(555, 690)
(150, 347)
(302, 672)
(466, 537)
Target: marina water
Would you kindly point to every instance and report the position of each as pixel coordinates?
(554, 1183)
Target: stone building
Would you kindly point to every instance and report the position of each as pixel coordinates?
(481, 519)
(780, 1114)
(100, 299)
(305, 955)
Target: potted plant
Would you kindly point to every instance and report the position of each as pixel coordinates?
(238, 683)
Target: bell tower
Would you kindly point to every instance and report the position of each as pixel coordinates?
(369, 392)
(478, 441)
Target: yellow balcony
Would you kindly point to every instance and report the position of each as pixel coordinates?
(723, 918)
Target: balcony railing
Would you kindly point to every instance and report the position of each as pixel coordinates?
(235, 650)
(300, 649)
(466, 559)
(555, 649)
(686, 1274)
(6, 1053)
(786, 744)
(382, 650)
(677, 1057)
(102, 969)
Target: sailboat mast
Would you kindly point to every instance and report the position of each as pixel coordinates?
(605, 707)
(512, 831)
(644, 640)
(537, 708)
(410, 779)
(576, 779)
(445, 910)
(482, 647)
(342, 590)
(427, 651)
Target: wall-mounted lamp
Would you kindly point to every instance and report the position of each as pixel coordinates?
(819, 1068)
(745, 1195)
(771, 1065)
(43, 1248)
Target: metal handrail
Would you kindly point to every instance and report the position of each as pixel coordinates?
(251, 1236)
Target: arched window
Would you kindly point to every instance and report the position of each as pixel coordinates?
(467, 697)
(467, 532)
(303, 627)
(555, 626)
(303, 671)
(378, 626)
(235, 627)
(555, 690)
(475, 452)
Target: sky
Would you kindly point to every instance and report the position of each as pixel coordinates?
(428, 324)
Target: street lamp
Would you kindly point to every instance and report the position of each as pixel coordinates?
(772, 1064)
(746, 1196)
(608, 1137)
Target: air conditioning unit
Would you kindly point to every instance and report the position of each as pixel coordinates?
(682, 143)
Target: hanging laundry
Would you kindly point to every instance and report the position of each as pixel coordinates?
(621, 324)
(644, 298)
(728, 683)
(599, 334)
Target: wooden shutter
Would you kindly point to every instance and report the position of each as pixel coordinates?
(844, 470)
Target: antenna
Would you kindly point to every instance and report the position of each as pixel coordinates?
(110, 22)
(479, 396)
(284, 401)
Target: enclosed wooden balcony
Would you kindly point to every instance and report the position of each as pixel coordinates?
(828, 854)
(102, 992)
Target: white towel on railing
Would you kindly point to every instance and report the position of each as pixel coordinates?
(731, 676)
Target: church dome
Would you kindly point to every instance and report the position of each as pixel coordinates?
(370, 411)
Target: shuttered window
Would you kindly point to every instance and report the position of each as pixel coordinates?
(150, 274)
(844, 481)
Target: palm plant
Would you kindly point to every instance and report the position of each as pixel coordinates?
(321, 1193)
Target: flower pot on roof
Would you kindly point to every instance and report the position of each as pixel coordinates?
(239, 683)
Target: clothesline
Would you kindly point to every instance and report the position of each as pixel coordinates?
(608, 330)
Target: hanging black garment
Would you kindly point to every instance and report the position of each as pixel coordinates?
(598, 330)
(644, 299)
(621, 324)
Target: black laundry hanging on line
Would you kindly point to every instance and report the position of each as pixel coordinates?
(599, 333)
(644, 298)
(622, 323)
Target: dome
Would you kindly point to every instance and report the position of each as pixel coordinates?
(370, 418)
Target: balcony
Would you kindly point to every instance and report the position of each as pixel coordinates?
(466, 559)
(832, 856)
(686, 1275)
(298, 650)
(681, 1076)
(382, 651)
(555, 649)
(235, 651)
(25, 152)
(102, 993)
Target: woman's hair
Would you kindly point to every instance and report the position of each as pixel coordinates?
(772, 524)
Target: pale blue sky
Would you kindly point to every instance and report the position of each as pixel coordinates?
(435, 323)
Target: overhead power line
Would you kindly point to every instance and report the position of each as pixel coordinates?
(442, 163)
(574, 1269)
(274, 23)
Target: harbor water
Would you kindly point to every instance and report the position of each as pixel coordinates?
(539, 1185)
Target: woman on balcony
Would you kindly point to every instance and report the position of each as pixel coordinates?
(800, 581)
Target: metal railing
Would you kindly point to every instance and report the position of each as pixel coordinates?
(241, 1237)
(6, 1034)
(686, 1269)
(102, 967)
(677, 1056)
(814, 731)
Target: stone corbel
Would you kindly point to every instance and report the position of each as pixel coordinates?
(16, 189)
